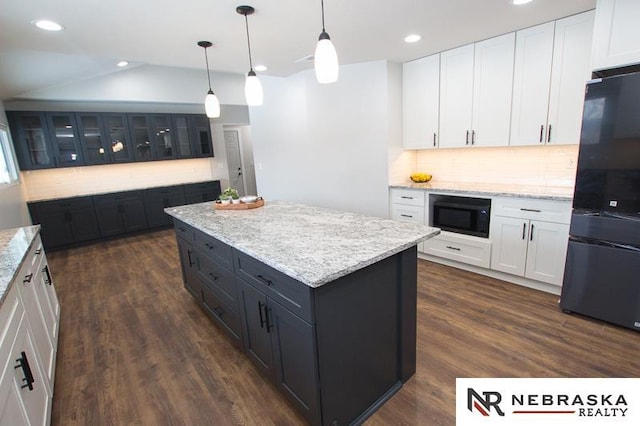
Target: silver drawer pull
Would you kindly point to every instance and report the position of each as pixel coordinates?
(531, 210)
(454, 248)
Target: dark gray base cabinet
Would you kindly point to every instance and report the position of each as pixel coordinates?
(69, 221)
(337, 352)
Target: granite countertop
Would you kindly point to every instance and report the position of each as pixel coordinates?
(14, 245)
(559, 193)
(310, 244)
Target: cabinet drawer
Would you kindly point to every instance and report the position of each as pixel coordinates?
(184, 231)
(213, 248)
(462, 248)
(527, 208)
(44, 207)
(292, 294)
(227, 317)
(407, 213)
(413, 197)
(219, 278)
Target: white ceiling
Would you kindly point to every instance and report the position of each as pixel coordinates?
(164, 32)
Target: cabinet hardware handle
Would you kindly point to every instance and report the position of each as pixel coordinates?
(266, 317)
(23, 363)
(209, 246)
(38, 251)
(531, 233)
(404, 197)
(265, 280)
(473, 137)
(466, 141)
(48, 279)
(189, 258)
(530, 210)
(541, 132)
(217, 311)
(27, 278)
(406, 215)
(263, 321)
(181, 229)
(549, 134)
(524, 230)
(454, 248)
(434, 139)
(215, 277)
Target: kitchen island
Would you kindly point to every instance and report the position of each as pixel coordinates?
(323, 302)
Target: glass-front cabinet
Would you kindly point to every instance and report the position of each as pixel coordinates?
(183, 139)
(64, 139)
(119, 142)
(163, 136)
(45, 140)
(92, 138)
(141, 136)
(31, 139)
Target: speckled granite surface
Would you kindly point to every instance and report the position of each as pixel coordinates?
(311, 244)
(559, 193)
(14, 245)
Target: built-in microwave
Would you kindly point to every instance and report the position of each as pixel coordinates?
(464, 215)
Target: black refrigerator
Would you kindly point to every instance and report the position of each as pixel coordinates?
(602, 271)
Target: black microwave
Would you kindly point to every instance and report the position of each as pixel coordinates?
(463, 215)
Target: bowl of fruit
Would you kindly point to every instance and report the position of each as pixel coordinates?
(420, 177)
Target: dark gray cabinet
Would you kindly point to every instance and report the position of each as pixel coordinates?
(157, 199)
(65, 221)
(338, 351)
(202, 191)
(120, 213)
(68, 139)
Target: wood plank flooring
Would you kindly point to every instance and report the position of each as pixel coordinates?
(134, 347)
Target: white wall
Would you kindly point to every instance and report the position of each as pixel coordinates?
(327, 145)
(13, 208)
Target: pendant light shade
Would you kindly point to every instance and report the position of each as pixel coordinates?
(211, 102)
(252, 88)
(325, 58)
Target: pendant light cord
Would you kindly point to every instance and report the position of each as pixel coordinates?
(246, 23)
(322, 5)
(206, 59)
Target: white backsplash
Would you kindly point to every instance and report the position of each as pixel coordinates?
(72, 181)
(542, 166)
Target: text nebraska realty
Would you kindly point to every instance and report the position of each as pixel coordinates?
(586, 405)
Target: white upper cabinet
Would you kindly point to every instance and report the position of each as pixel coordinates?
(421, 97)
(492, 90)
(456, 96)
(532, 79)
(616, 40)
(551, 70)
(476, 84)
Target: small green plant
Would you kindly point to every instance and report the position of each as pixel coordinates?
(229, 193)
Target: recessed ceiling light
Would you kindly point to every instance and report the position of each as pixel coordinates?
(45, 24)
(123, 63)
(260, 68)
(519, 2)
(412, 38)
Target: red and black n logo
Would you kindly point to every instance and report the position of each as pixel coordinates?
(483, 404)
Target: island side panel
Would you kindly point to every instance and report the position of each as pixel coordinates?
(408, 281)
(358, 336)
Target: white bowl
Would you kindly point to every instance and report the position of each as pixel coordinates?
(249, 198)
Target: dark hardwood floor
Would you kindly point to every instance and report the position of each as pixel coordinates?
(134, 347)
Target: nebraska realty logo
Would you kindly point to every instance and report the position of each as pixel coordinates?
(554, 401)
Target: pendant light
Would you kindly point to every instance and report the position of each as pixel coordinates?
(325, 58)
(252, 87)
(211, 102)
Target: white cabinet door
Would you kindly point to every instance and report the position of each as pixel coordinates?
(509, 238)
(547, 251)
(571, 70)
(456, 96)
(532, 79)
(616, 40)
(492, 90)
(421, 100)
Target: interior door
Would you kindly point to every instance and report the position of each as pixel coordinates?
(234, 160)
